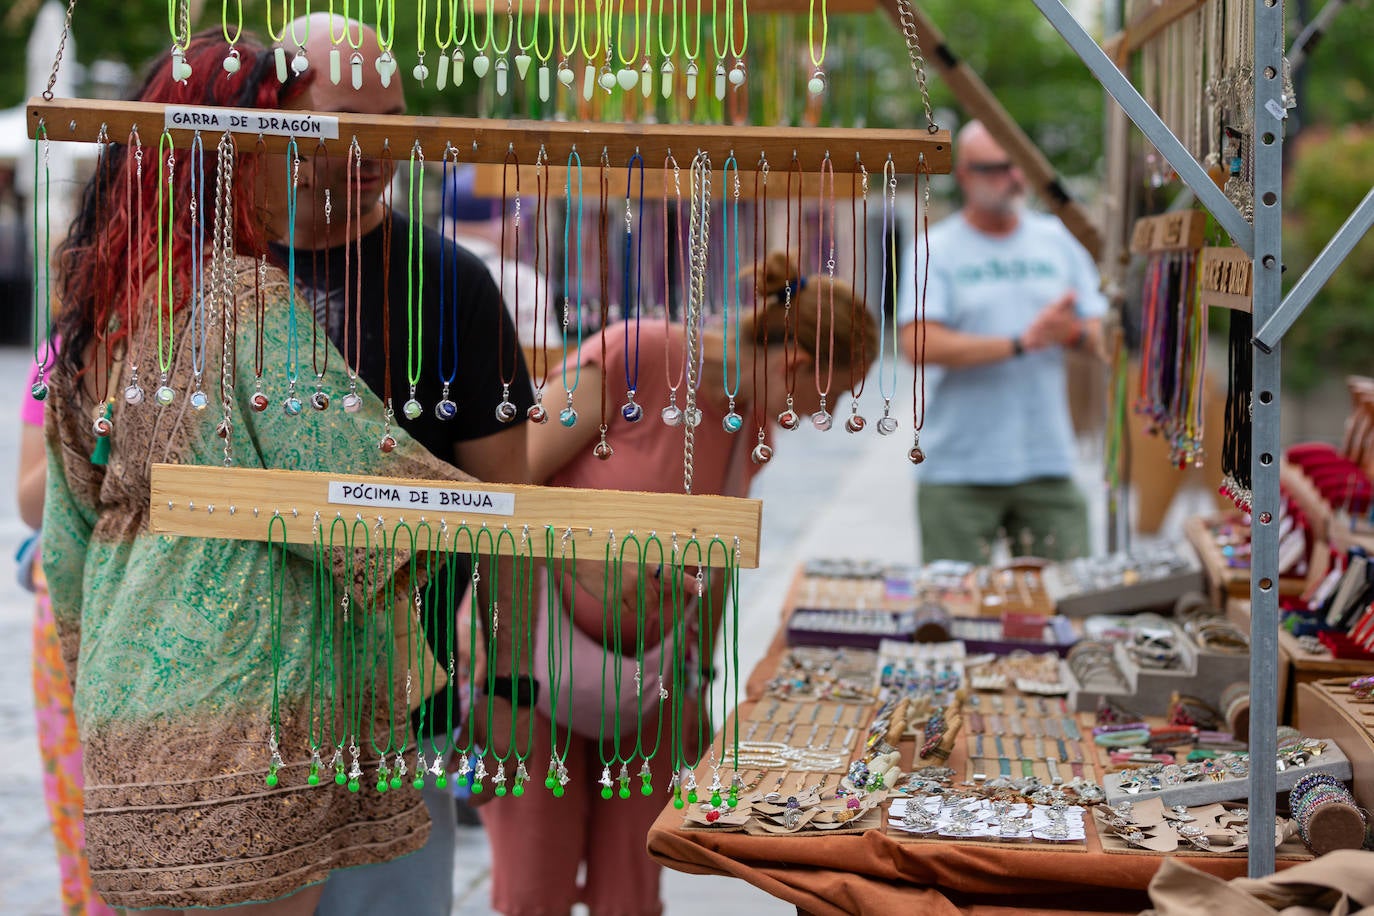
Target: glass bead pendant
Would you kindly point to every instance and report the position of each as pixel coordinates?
(232, 62)
(855, 423)
(199, 400)
(568, 416)
(102, 427)
(762, 454)
(388, 444)
(737, 74)
(320, 400)
(631, 411)
(732, 422)
(300, 63)
(603, 450)
(39, 390)
(671, 415)
(165, 396)
(352, 402)
(133, 394)
(788, 419)
(624, 780)
(544, 85)
(822, 420)
(420, 72)
(537, 414)
(887, 425)
(816, 85)
(521, 774)
(412, 409)
(646, 777)
(500, 779)
(292, 406)
(565, 73)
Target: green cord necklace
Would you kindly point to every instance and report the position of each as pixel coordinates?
(276, 586)
(341, 690)
(42, 296)
(560, 629)
(611, 579)
(415, 643)
(645, 772)
(522, 647)
(493, 573)
(354, 654)
(381, 631)
(321, 655)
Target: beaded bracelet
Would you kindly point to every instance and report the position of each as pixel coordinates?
(1363, 687)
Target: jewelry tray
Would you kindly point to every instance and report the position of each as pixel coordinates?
(1332, 762)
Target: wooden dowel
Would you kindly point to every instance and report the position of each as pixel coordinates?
(1145, 27)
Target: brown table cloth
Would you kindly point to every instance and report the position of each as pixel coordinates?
(875, 873)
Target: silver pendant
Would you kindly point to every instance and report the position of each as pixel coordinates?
(352, 402)
(445, 410)
(165, 395)
(319, 400)
(732, 422)
(762, 454)
(133, 395)
(672, 415)
(632, 412)
(887, 426)
(199, 400)
(822, 420)
(537, 414)
(412, 409)
(505, 411)
(788, 419)
(855, 423)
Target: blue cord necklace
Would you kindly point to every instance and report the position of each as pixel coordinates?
(732, 422)
(568, 415)
(446, 409)
(634, 249)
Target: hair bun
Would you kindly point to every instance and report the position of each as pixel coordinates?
(778, 271)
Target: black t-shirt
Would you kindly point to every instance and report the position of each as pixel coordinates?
(471, 314)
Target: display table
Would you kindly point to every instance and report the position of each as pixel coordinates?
(873, 872)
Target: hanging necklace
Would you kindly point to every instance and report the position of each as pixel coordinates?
(415, 278)
(224, 254)
(762, 452)
(816, 85)
(691, 52)
(101, 423)
(672, 415)
(625, 75)
(276, 588)
(611, 579)
(448, 287)
(443, 41)
(505, 411)
(277, 36)
(918, 386)
(737, 73)
(388, 441)
(559, 624)
(603, 449)
(299, 63)
(259, 400)
(572, 306)
(700, 237)
(788, 419)
(732, 422)
(887, 366)
(135, 277)
(292, 404)
(501, 50)
(178, 23)
(232, 60)
(335, 53)
(646, 69)
(540, 361)
(199, 400)
(645, 772)
(320, 398)
(481, 63)
(542, 52)
(667, 51)
(385, 63)
(505, 535)
(633, 288)
(353, 275)
(566, 50)
(858, 375)
(379, 629)
(720, 43)
(42, 331)
(523, 645)
(825, 254)
(166, 213)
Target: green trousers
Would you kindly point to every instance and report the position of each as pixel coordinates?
(1047, 517)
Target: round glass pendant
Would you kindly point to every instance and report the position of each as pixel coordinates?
(412, 409)
(352, 402)
(887, 426)
(165, 395)
(102, 427)
(603, 450)
(788, 419)
(199, 400)
(568, 417)
(822, 420)
(445, 410)
(388, 444)
(632, 412)
(39, 391)
(816, 85)
(223, 429)
(762, 454)
(855, 423)
(232, 62)
(292, 406)
(732, 422)
(537, 414)
(319, 400)
(505, 411)
(133, 395)
(672, 415)
(916, 455)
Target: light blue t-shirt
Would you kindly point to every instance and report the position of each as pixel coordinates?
(1005, 422)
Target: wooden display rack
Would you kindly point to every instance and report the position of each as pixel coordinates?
(219, 502)
(1328, 707)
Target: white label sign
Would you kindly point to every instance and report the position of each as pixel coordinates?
(297, 124)
(433, 499)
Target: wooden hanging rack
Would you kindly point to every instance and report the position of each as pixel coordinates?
(487, 180)
(1141, 30)
(238, 503)
(1182, 230)
(771, 7)
(490, 139)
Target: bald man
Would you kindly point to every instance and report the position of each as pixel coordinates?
(1008, 292)
(473, 318)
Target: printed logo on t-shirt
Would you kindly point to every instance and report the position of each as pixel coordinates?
(995, 270)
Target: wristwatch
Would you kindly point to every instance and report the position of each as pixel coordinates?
(1017, 348)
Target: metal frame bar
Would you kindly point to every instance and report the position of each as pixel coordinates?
(1144, 117)
(1311, 282)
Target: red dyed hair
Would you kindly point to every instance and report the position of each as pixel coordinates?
(111, 247)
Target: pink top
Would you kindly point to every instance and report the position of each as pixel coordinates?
(30, 410)
(648, 454)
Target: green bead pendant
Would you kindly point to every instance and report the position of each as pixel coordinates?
(441, 781)
(500, 791)
(692, 797)
(624, 791)
(395, 782)
(353, 785)
(381, 786)
(646, 789)
(313, 779)
(518, 791)
(419, 783)
(271, 778)
(605, 791)
(340, 778)
(558, 791)
(550, 782)
(677, 801)
(477, 788)
(715, 799)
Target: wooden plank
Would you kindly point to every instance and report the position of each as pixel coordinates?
(1183, 230)
(979, 102)
(486, 182)
(217, 502)
(744, 7)
(1143, 28)
(1224, 279)
(489, 139)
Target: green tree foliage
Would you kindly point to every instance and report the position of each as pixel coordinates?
(1329, 176)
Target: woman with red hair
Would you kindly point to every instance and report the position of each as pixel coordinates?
(170, 641)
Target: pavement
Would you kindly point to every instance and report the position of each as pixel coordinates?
(824, 494)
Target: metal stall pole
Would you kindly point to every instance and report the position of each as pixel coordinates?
(1267, 145)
